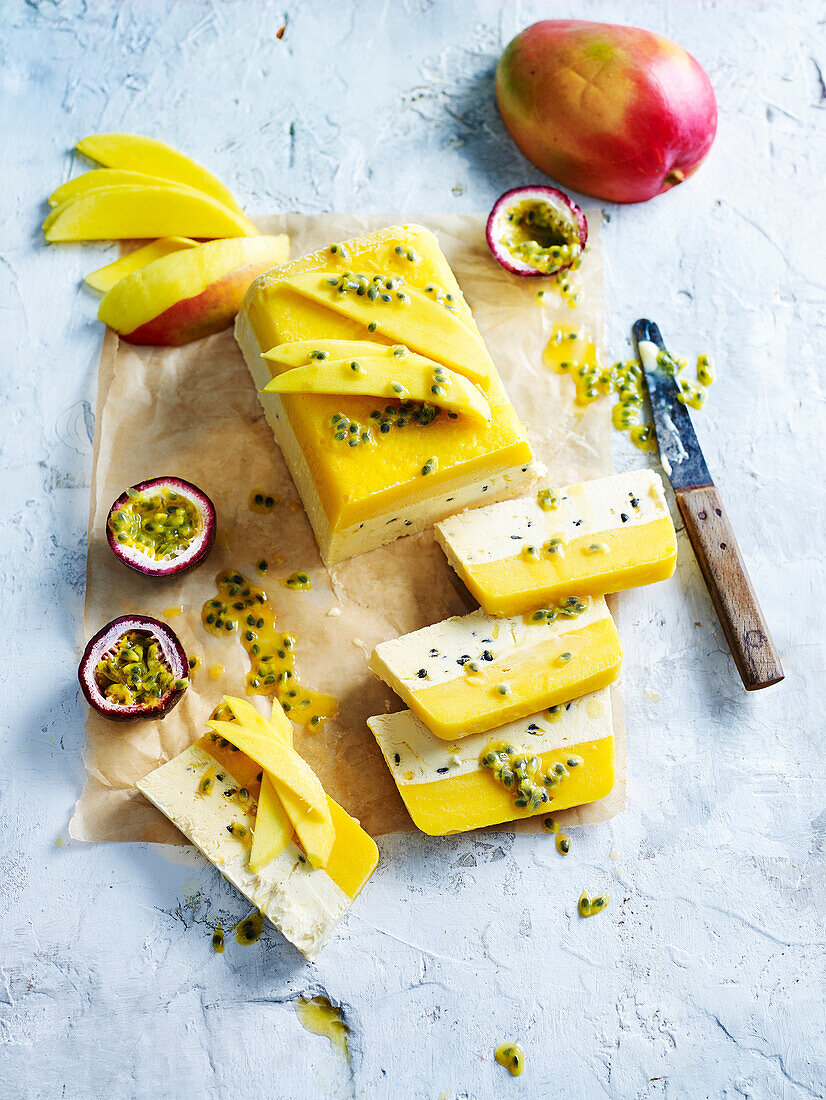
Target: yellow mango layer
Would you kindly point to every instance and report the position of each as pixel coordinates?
(475, 673)
(609, 534)
(360, 497)
(446, 790)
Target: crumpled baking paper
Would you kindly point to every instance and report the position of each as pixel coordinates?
(193, 412)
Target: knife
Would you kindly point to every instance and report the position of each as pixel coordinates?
(706, 522)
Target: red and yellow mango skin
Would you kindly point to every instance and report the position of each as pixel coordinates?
(189, 294)
(616, 112)
(211, 311)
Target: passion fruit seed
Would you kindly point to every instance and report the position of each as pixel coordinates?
(512, 1057)
(135, 667)
(162, 526)
(568, 608)
(299, 581)
(705, 372)
(354, 433)
(250, 929)
(536, 231)
(522, 774)
(134, 673)
(588, 907)
(378, 289)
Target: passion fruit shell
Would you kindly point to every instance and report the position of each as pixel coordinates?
(123, 676)
(536, 231)
(162, 527)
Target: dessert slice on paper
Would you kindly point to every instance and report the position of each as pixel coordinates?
(474, 672)
(591, 539)
(541, 763)
(252, 806)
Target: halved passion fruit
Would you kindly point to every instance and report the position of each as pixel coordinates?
(536, 231)
(135, 667)
(162, 527)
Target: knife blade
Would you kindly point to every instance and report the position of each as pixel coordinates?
(706, 523)
(680, 452)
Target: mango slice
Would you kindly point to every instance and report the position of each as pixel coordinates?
(280, 810)
(273, 828)
(315, 836)
(249, 716)
(101, 178)
(104, 278)
(283, 763)
(421, 323)
(299, 352)
(115, 213)
(280, 724)
(411, 378)
(189, 294)
(136, 153)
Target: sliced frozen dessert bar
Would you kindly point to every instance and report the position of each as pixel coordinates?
(379, 390)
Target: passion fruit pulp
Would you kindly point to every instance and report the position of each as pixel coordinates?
(135, 667)
(536, 231)
(162, 527)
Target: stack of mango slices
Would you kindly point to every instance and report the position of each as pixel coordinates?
(362, 368)
(291, 799)
(190, 280)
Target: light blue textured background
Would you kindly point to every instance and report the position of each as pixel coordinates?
(706, 976)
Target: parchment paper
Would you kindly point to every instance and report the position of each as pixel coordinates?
(193, 412)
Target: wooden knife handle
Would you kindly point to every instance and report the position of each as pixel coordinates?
(730, 588)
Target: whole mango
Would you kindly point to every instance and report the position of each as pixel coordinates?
(611, 111)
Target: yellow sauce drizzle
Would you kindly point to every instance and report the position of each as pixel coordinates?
(547, 500)
(299, 582)
(512, 1057)
(172, 612)
(250, 929)
(519, 773)
(569, 608)
(215, 672)
(571, 351)
(241, 607)
(322, 1018)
